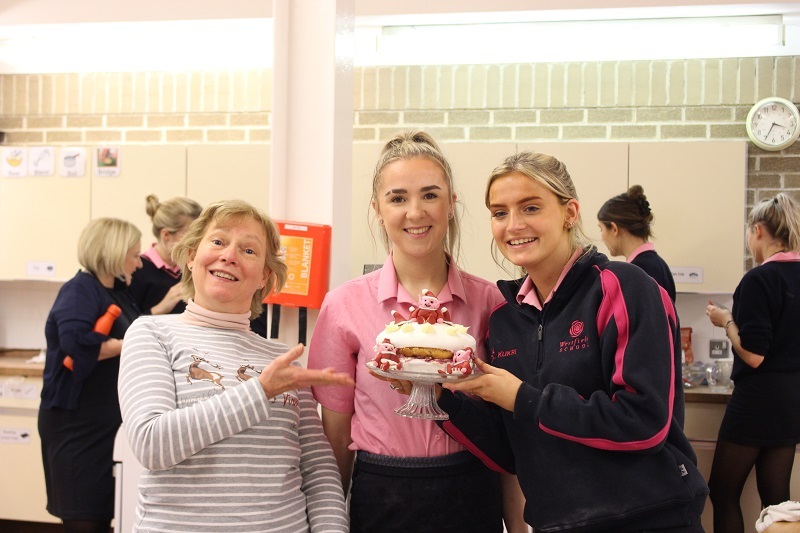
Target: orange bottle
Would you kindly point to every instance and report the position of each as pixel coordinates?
(103, 325)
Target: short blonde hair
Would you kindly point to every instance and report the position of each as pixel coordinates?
(104, 244)
(172, 214)
(222, 214)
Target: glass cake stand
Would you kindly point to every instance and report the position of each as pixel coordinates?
(422, 401)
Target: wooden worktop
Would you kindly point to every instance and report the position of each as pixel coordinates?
(13, 363)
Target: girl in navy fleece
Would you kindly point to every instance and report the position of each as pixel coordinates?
(579, 397)
(761, 426)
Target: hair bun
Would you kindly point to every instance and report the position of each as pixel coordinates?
(644, 206)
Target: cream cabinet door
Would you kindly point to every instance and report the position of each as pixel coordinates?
(229, 171)
(42, 218)
(697, 193)
(367, 248)
(599, 172)
(472, 163)
(144, 170)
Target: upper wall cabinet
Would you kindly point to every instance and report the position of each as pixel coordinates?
(697, 193)
(367, 248)
(42, 218)
(228, 171)
(472, 163)
(144, 170)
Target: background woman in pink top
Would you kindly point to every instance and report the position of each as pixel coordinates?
(406, 474)
(156, 286)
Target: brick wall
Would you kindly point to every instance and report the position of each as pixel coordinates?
(627, 101)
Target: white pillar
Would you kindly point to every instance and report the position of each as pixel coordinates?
(312, 119)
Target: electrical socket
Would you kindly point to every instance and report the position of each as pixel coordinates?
(718, 348)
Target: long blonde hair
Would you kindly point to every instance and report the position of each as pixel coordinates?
(551, 174)
(409, 145)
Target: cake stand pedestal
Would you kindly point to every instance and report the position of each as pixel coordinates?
(422, 401)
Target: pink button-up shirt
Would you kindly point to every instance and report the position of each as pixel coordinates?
(351, 318)
(527, 293)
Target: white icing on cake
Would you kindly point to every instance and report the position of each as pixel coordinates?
(410, 334)
(446, 336)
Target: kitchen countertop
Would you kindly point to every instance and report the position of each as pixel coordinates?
(13, 363)
(705, 394)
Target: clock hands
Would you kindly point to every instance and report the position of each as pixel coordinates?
(773, 125)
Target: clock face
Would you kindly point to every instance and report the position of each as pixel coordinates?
(772, 124)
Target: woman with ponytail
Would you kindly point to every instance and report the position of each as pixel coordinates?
(761, 427)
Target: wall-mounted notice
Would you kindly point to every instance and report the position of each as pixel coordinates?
(687, 274)
(107, 161)
(14, 163)
(15, 435)
(73, 162)
(41, 161)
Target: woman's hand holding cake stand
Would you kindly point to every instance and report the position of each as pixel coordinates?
(495, 385)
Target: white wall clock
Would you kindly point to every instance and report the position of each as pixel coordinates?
(772, 123)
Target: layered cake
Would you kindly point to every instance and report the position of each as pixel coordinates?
(427, 342)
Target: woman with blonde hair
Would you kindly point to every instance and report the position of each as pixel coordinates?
(79, 413)
(761, 426)
(578, 396)
(221, 418)
(400, 472)
(156, 286)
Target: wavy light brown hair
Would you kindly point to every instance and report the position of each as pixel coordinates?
(227, 213)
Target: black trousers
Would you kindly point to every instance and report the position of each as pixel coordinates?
(464, 497)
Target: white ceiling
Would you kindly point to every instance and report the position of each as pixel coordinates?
(14, 12)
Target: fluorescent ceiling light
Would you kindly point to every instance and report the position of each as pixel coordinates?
(248, 43)
(677, 38)
(137, 46)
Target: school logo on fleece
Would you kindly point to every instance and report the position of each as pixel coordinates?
(577, 340)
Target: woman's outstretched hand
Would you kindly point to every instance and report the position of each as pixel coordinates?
(495, 385)
(281, 375)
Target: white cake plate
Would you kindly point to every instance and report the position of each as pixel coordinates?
(422, 401)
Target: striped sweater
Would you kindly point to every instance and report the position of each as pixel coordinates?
(220, 456)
